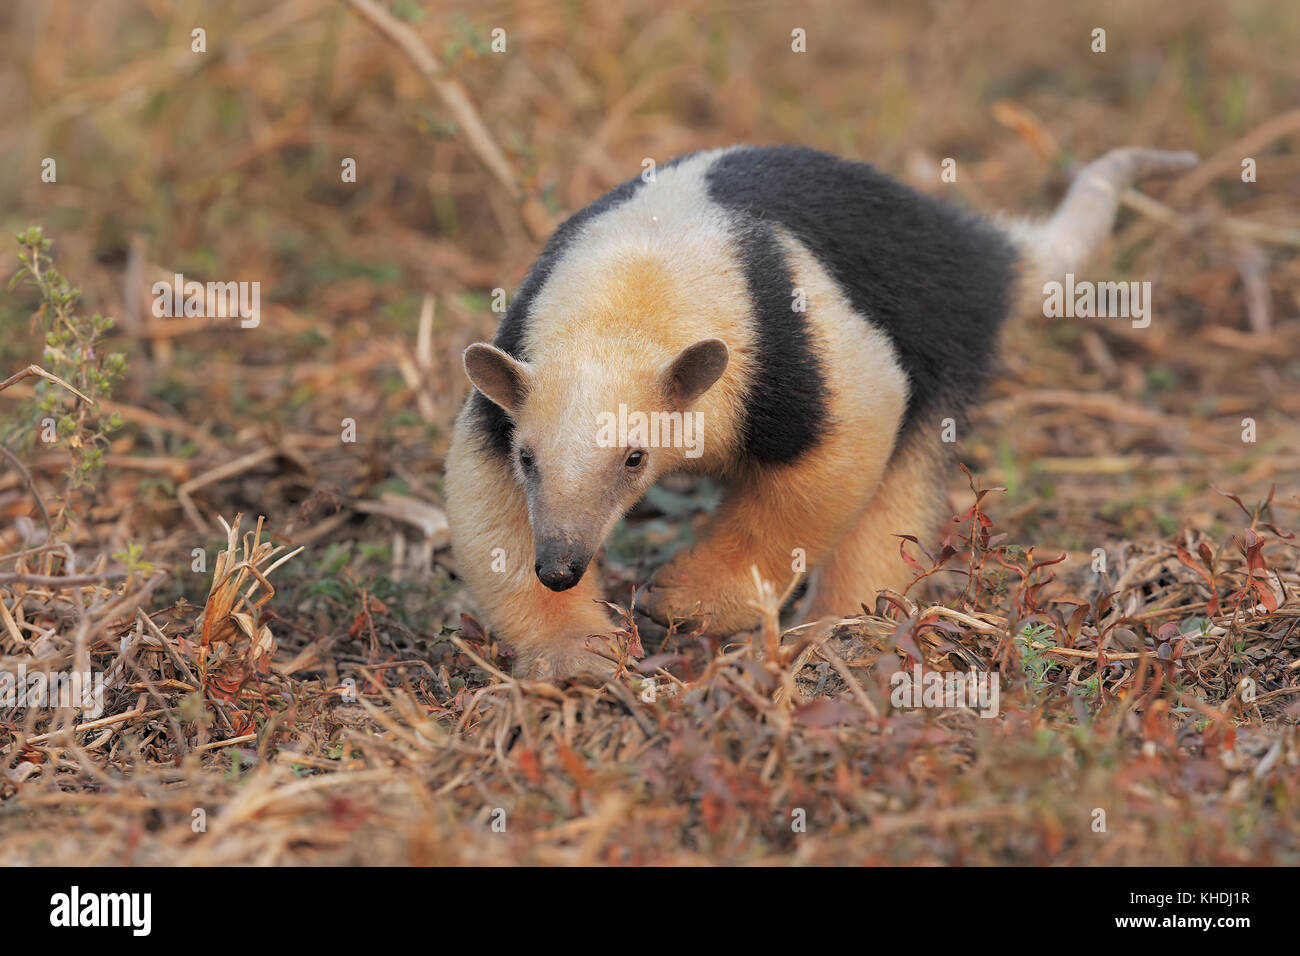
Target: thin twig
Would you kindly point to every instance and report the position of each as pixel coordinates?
(454, 97)
(31, 370)
(61, 581)
(31, 487)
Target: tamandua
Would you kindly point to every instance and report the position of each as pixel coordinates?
(809, 320)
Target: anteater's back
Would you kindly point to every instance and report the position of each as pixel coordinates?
(936, 279)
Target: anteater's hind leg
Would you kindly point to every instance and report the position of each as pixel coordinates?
(488, 515)
(909, 501)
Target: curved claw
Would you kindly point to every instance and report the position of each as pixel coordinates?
(647, 626)
(649, 608)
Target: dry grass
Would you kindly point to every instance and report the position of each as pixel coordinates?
(356, 717)
(796, 755)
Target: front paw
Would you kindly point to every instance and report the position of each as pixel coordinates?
(569, 659)
(683, 592)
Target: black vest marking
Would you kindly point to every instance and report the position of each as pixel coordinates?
(785, 401)
(936, 279)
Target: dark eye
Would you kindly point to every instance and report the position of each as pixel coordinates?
(525, 459)
(635, 460)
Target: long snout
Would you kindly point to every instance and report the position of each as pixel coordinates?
(560, 564)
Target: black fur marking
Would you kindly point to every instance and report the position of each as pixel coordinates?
(785, 401)
(486, 417)
(938, 280)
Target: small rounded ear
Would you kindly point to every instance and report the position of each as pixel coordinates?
(694, 370)
(504, 380)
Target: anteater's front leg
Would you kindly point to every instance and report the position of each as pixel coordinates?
(493, 542)
(784, 519)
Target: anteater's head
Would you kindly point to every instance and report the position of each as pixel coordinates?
(591, 433)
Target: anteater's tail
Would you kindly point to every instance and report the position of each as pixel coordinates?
(1084, 219)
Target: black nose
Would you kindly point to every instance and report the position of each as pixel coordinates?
(559, 567)
(559, 575)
